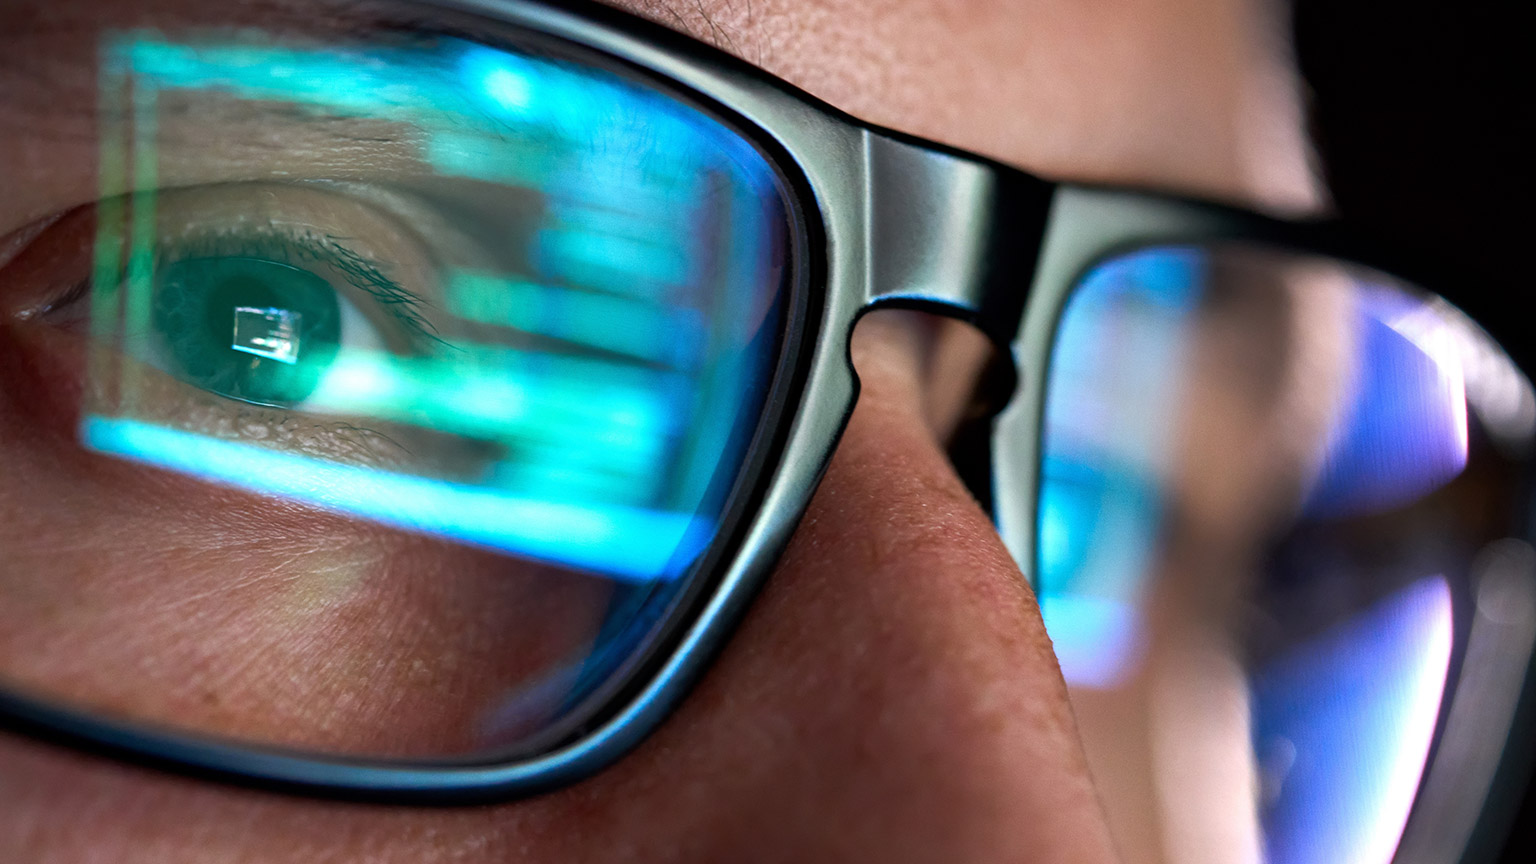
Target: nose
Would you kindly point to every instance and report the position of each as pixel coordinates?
(892, 696)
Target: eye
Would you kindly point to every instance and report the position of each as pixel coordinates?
(268, 318)
(265, 318)
(252, 329)
(251, 295)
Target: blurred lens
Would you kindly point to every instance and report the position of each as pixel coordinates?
(1266, 481)
(389, 397)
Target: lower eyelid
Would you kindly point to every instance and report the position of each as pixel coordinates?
(361, 441)
(174, 404)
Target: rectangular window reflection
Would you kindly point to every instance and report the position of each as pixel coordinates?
(270, 333)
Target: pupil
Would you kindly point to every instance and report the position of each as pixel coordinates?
(247, 328)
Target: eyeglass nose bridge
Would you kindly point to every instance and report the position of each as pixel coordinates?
(950, 234)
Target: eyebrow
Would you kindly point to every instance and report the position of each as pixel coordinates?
(49, 55)
(50, 72)
(695, 18)
(50, 82)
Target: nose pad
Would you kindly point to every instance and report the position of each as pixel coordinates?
(964, 378)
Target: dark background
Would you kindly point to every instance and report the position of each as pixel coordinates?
(1423, 115)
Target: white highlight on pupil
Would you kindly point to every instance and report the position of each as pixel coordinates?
(269, 333)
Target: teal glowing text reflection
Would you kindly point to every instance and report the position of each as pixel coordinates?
(568, 371)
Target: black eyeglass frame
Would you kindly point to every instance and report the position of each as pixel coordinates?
(883, 220)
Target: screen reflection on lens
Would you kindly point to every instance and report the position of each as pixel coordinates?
(1265, 479)
(417, 378)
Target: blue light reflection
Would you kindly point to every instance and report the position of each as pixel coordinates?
(604, 258)
(1354, 711)
(1115, 370)
(662, 334)
(622, 542)
(1355, 405)
(1404, 432)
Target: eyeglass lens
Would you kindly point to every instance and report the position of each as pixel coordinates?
(1270, 483)
(389, 396)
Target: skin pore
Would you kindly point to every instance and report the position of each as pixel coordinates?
(892, 695)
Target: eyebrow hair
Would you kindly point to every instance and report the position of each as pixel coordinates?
(30, 80)
(695, 18)
(24, 20)
(49, 60)
(49, 78)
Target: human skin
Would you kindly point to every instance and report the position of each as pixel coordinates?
(892, 695)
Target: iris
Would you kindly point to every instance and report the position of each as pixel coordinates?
(247, 328)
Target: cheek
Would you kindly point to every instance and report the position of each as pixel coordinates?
(159, 598)
(58, 807)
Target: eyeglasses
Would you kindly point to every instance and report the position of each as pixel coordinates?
(450, 390)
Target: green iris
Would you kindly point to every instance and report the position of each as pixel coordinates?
(247, 328)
